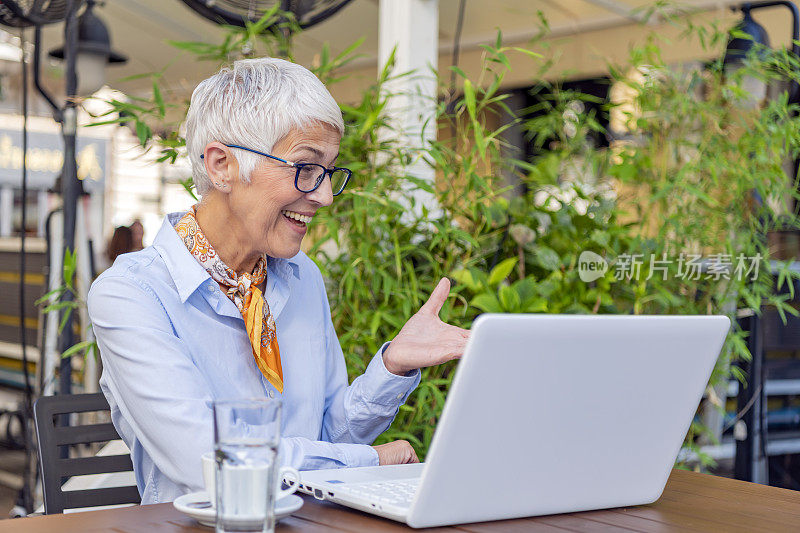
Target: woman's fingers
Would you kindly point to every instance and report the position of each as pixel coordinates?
(437, 298)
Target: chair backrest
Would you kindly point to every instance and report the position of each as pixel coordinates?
(56, 470)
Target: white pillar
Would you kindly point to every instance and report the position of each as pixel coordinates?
(50, 356)
(83, 280)
(412, 28)
(6, 210)
(41, 211)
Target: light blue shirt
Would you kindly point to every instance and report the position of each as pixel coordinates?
(171, 342)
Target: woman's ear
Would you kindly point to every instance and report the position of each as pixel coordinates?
(221, 166)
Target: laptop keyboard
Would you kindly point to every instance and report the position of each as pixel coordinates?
(395, 492)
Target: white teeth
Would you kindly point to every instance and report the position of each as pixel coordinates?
(297, 216)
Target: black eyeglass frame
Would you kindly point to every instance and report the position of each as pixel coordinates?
(299, 166)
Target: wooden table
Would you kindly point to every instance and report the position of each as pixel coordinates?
(691, 502)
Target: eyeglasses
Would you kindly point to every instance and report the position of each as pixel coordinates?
(309, 176)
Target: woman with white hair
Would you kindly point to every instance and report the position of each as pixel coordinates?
(224, 305)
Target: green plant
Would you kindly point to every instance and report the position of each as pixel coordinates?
(675, 185)
(697, 176)
(51, 302)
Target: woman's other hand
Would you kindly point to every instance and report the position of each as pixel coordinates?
(425, 340)
(398, 452)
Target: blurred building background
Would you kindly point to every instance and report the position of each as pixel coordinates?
(124, 184)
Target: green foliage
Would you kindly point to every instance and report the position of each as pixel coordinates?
(690, 173)
(54, 301)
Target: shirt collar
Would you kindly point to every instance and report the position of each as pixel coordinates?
(187, 273)
(284, 268)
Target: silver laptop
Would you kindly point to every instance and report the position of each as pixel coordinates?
(548, 414)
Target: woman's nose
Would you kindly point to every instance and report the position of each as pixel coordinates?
(323, 195)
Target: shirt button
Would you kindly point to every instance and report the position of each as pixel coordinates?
(210, 287)
(271, 394)
(400, 396)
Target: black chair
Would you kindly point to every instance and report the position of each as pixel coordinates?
(56, 470)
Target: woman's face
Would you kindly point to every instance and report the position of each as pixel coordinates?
(268, 207)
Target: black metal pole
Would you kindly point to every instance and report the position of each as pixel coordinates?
(751, 6)
(70, 186)
(29, 478)
(37, 74)
(794, 87)
(749, 462)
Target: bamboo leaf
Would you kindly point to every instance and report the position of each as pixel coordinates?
(469, 98)
(83, 346)
(142, 132)
(487, 302)
(502, 270)
(159, 101)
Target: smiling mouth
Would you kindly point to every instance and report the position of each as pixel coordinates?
(296, 218)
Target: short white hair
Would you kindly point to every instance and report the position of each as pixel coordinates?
(255, 103)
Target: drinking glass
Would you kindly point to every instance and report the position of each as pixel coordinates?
(246, 438)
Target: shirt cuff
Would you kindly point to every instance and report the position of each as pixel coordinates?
(360, 455)
(382, 387)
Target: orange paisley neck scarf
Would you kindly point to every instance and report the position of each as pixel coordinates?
(244, 292)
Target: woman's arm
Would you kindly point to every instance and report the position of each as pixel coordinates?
(152, 378)
(360, 412)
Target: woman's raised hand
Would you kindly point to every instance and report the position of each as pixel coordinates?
(425, 340)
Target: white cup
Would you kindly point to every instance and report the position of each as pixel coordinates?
(209, 478)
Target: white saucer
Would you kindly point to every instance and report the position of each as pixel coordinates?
(283, 507)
